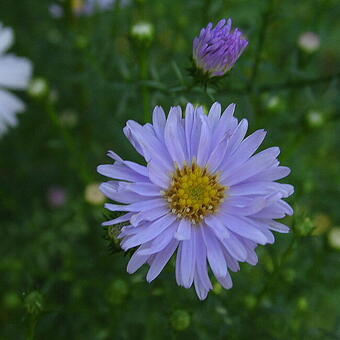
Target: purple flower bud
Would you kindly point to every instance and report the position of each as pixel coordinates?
(216, 50)
(88, 7)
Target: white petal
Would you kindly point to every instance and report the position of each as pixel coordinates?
(15, 72)
(6, 38)
(9, 107)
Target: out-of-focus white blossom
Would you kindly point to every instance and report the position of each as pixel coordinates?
(142, 31)
(93, 195)
(309, 42)
(38, 87)
(334, 238)
(15, 73)
(315, 118)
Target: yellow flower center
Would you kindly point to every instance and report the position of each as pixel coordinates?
(194, 193)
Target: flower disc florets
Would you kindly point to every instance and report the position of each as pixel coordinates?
(194, 193)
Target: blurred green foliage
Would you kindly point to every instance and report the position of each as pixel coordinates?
(58, 279)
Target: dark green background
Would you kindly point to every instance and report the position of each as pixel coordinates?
(58, 280)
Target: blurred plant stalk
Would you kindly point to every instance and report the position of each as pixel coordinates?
(76, 159)
(144, 74)
(142, 35)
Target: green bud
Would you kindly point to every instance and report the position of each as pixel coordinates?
(38, 87)
(314, 119)
(68, 119)
(34, 303)
(305, 227)
(217, 289)
(302, 303)
(142, 32)
(82, 41)
(180, 320)
(274, 103)
(290, 275)
(250, 301)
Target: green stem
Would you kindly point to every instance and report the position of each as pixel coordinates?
(286, 85)
(76, 160)
(32, 327)
(144, 73)
(260, 44)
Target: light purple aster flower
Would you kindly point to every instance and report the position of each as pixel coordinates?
(202, 194)
(216, 50)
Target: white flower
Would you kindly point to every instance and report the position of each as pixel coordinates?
(93, 195)
(315, 118)
(309, 42)
(334, 238)
(38, 87)
(15, 73)
(142, 30)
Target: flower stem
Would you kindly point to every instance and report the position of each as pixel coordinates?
(144, 68)
(260, 44)
(76, 160)
(32, 327)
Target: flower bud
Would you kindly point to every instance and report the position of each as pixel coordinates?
(306, 227)
(88, 7)
(309, 42)
(38, 87)
(334, 238)
(93, 195)
(34, 303)
(68, 118)
(142, 32)
(302, 303)
(216, 50)
(180, 320)
(322, 223)
(314, 119)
